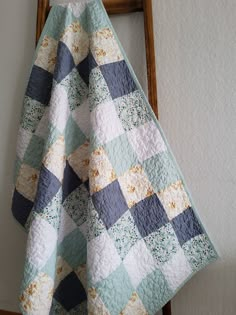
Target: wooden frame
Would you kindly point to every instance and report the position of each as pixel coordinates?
(121, 7)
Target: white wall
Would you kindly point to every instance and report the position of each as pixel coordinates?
(196, 49)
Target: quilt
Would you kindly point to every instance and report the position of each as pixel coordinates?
(112, 228)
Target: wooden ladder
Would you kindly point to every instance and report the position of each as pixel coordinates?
(121, 7)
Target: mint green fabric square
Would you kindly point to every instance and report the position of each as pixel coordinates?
(125, 234)
(32, 113)
(74, 137)
(116, 290)
(93, 18)
(199, 252)
(132, 110)
(163, 243)
(50, 266)
(34, 153)
(73, 249)
(76, 89)
(154, 285)
(121, 154)
(30, 273)
(161, 171)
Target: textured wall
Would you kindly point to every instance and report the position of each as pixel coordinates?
(196, 49)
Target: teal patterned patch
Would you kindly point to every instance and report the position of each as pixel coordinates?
(125, 234)
(98, 89)
(132, 110)
(199, 252)
(161, 171)
(95, 226)
(163, 243)
(76, 205)
(34, 153)
(32, 113)
(76, 89)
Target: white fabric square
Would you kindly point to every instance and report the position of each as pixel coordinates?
(82, 117)
(39, 248)
(146, 141)
(23, 140)
(106, 123)
(43, 126)
(103, 258)
(59, 108)
(67, 225)
(139, 263)
(176, 270)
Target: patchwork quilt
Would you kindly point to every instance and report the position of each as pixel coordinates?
(112, 229)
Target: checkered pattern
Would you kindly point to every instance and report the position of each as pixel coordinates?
(111, 227)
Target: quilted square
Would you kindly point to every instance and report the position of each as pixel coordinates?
(146, 141)
(40, 85)
(154, 282)
(149, 215)
(81, 116)
(186, 226)
(70, 181)
(76, 89)
(79, 161)
(67, 225)
(59, 107)
(73, 249)
(95, 303)
(77, 40)
(34, 152)
(27, 180)
(48, 187)
(65, 62)
(98, 89)
(163, 243)
(32, 114)
(22, 203)
(199, 251)
(74, 136)
(47, 54)
(86, 66)
(135, 185)
(54, 159)
(105, 122)
(161, 171)
(23, 140)
(139, 262)
(120, 154)
(110, 203)
(101, 172)
(62, 270)
(132, 110)
(124, 233)
(102, 252)
(44, 125)
(121, 290)
(176, 270)
(104, 47)
(134, 306)
(39, 249)
(124, 85)
(174, 199)
(70, 292)
(76, 205)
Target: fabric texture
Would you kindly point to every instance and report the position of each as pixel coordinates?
(112, 229)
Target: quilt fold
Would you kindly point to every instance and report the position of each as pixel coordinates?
(112, 228)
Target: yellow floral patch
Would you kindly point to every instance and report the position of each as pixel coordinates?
(134, 306)
(79, 161)
(174, 199)
(62, 270)
(77, 41)
(101, 172)
(37, 297)
(135, 185)
(55, 158)
(81, 272)
(104, 47)
(27, 181)
(47, 54)
(95, 304)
